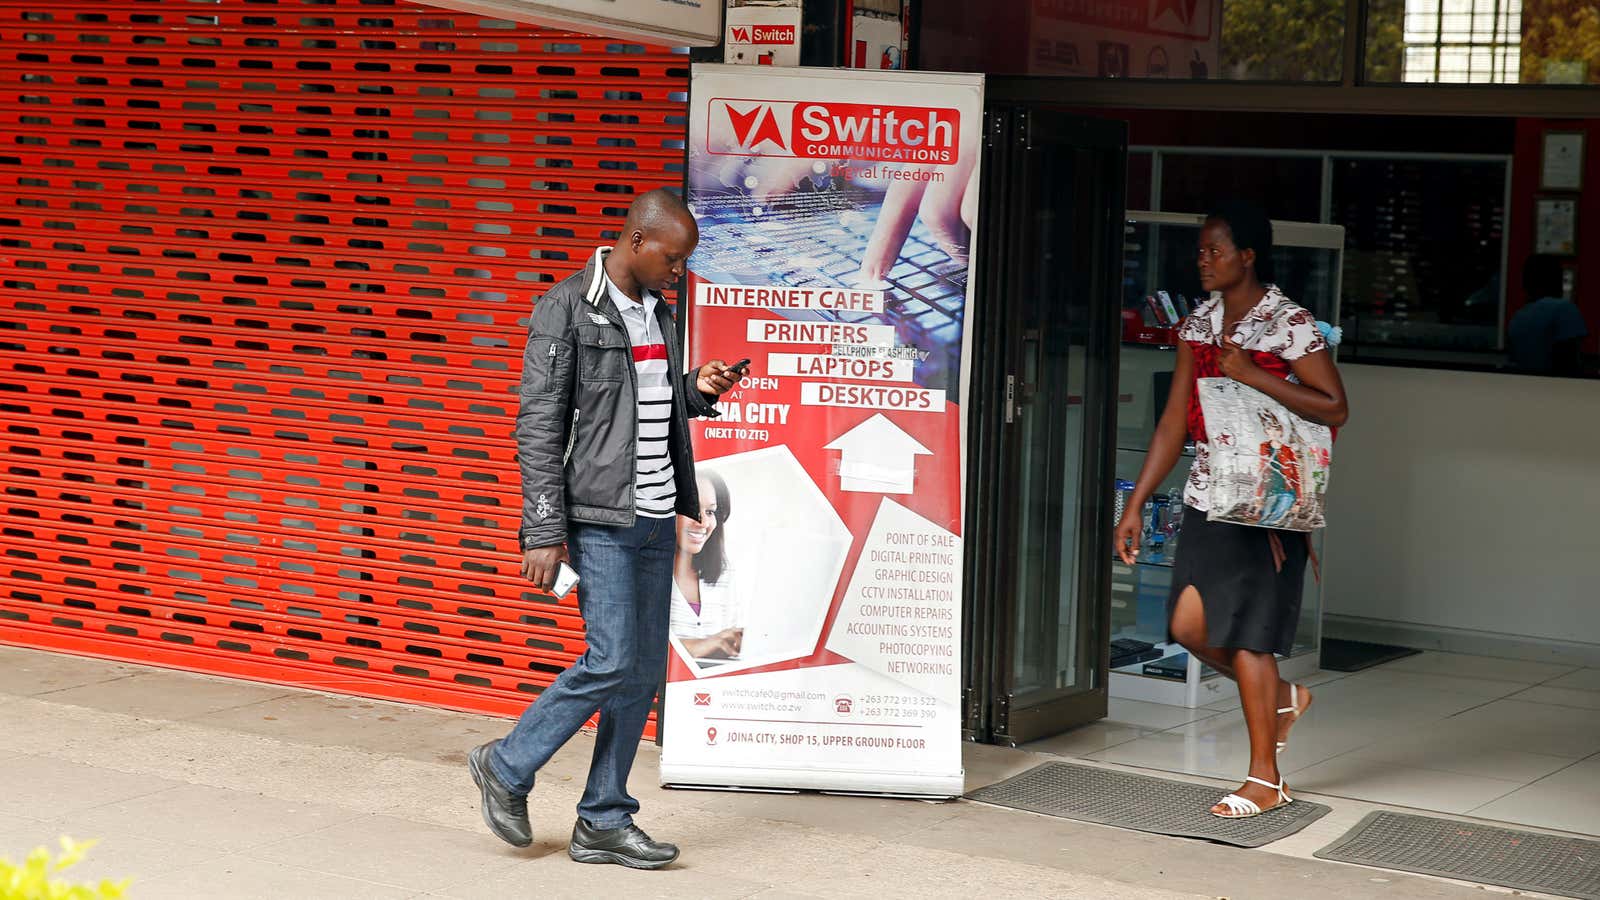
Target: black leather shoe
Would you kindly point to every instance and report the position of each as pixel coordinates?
(627, 846)
(504, 812)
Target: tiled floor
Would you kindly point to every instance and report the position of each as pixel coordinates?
(1498, 739)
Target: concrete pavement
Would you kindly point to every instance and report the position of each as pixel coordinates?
(200, 787)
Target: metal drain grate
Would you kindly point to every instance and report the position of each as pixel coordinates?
(1525, 860)
(1142, 803)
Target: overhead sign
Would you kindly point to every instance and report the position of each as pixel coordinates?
(767, 34)
(816, 615)
(671, 23)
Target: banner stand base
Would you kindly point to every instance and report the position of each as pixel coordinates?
(728, 789)
(899, 785)
(882, 795)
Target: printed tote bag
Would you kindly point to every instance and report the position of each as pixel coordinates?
(1269, 467)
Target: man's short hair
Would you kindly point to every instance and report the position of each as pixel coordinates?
(657, 209)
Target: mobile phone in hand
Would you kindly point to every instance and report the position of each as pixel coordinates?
(566, 580)
(742, 367)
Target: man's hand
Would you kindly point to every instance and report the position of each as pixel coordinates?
(541, 564)
(717, 378)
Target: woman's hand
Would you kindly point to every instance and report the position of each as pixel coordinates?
(1126, 538)
(1235, 361)
(722, 645)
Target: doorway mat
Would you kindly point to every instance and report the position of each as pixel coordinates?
(1353, 656)
(1467, 851)
(1142, 803)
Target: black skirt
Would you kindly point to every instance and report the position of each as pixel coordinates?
(1250, 604)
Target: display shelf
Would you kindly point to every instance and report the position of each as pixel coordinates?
(1136, 331)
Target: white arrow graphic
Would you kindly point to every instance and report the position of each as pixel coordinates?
(877, 457)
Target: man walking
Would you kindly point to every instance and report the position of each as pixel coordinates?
(603, 444)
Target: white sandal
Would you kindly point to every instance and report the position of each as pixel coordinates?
(1294, 710)
(1240, 808)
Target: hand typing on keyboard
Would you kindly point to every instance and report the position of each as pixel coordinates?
(948, 207)
(904, 230)
(761, 178)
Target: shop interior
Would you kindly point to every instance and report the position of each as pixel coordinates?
(1415, 177)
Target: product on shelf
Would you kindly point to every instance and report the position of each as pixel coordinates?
(1131, 651)
(1136, 331)
(1160, 512)
(1120, 504)
(1174, 522)
(1175, 666)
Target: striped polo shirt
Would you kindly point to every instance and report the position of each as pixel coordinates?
(655, 494)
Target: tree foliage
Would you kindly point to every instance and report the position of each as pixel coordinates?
(1282, 40)
(1560, 32)
(1303, 40)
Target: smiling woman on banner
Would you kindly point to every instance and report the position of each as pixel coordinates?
(705, 613)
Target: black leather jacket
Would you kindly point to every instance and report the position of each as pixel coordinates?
(577, 426)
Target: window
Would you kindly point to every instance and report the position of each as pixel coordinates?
(1462, 41)
(1141, 172)
(1424, 256)
(1287, 187)
(1483, 41)
(1283, 40)
(1231, 40)
(1425, 248)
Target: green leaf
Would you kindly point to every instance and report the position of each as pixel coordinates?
(32, 881)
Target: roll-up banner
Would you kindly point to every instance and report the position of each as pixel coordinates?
(816, 621)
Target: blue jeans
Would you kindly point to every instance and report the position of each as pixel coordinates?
(1276, 509)
(625, 595)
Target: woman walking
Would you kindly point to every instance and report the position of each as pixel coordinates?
(1236, 589)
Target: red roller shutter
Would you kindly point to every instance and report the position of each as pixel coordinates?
(266, 268)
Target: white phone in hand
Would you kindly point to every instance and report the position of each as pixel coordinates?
(566, 580)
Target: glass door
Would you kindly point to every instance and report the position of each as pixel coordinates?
(1044, 438)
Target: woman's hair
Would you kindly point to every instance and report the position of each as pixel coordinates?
(1251, 230)
(712, 561)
